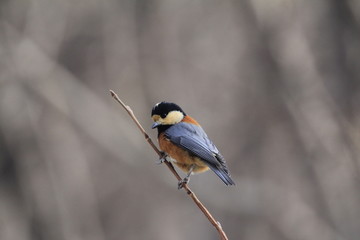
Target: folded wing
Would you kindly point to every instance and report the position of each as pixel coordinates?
(194, 139)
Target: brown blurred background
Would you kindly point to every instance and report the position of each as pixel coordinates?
(274, 83)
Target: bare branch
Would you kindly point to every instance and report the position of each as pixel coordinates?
(212, 220)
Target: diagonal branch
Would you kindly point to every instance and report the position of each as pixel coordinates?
(192, 195)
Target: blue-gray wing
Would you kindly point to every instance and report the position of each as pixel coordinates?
(194, 139)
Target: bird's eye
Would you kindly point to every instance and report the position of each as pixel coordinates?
(163, 115)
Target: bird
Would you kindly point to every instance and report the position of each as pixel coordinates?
(182, 139)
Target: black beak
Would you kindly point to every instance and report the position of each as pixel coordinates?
(155, 125)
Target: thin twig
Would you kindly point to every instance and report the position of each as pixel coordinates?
(212, 220)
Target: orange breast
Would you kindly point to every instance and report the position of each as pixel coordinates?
(182, 158)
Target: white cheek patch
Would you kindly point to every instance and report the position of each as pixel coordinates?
(174, 117)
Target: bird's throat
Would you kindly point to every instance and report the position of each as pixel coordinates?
(162, 128)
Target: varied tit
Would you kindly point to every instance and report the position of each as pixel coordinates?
(182, 139)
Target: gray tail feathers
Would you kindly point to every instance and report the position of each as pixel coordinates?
(223, 175)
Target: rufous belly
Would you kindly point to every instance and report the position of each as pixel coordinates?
(182, 158)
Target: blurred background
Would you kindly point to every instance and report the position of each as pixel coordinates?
(275, 84)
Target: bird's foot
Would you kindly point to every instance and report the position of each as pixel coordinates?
(182, 183)
(162, 158)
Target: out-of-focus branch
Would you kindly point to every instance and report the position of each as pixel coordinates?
(212, 220)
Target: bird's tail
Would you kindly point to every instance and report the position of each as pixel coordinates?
(223, 175)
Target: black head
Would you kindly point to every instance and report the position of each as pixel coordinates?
(163, 108)
(166, 113)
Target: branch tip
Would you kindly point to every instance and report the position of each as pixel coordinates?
(112, 93)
